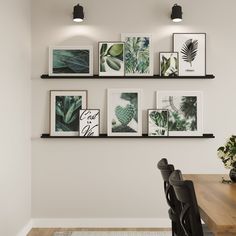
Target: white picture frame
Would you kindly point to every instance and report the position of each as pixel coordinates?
(71, 61)
(192, 53)
(145, 46)
(185, 111)
(124, 114)
(65, 122)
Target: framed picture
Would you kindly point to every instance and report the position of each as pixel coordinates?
(64, 111)
(71, 61)
(89, 122)
(169, 64)
(124, 112)
(192, 53)
(111, 59)
(138, 54)
(157, 122)
(185, 111)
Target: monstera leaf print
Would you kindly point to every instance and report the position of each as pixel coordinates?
(189, 50)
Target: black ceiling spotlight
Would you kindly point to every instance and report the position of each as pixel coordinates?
(177, 13)
(78, 13)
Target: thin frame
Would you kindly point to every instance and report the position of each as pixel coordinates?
(99, 119)
(199, 96)
(109, 118)
(160, 64)
(173, 46)
(151, 72)
(89, 48)
(53, 94)
(148, 112)
(113, 42)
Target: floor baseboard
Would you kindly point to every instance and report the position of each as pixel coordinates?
(26, 229)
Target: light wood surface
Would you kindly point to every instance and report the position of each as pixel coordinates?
(217, 203)
(50, 231)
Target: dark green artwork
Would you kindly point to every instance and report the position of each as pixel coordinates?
(70, 61)
(158, 122)
(169, 64)
(67, 113)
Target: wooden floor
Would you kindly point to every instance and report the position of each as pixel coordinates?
(50, 231)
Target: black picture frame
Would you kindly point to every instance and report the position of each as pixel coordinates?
(160, 60)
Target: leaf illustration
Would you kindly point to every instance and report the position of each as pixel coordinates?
(113, 63)
(102, 67)
(103, 49)
(115, 50)
(189, 50)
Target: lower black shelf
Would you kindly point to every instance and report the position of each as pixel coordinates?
(136, 137)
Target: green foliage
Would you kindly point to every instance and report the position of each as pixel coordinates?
(125, 115)
(160, 118)
(177, 123)
(112, 56)
(137, 55)
(70, 61)
(67, 112)
(227, 153)
(169, 67)
(189, 50)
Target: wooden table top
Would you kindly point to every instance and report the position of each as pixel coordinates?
(217, 202)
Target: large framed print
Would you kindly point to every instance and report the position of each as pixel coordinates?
(138, 54)
(192, 53)
(71, 61)
(185, 111)
(89, 122)
(111, 59)
(169, 64)
(124, 116)
(64, 111)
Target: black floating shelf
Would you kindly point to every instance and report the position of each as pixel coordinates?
(45, 76)
(136, 137)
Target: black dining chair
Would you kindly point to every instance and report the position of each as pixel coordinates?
(185, 193)
(175, 206)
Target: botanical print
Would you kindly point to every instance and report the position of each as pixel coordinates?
(138, 55)
(169, 64)
(192, 53)
(185, 111)
(70, 61)
(111, 59)
(158, 122)
(65, 106)
(124, 114)
(89, 122)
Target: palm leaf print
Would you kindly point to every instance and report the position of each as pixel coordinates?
(189, 50)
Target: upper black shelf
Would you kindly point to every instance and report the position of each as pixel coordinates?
(204, 136)
(46, 76)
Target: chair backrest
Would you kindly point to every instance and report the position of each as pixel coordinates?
(185, 193)
(175, 206)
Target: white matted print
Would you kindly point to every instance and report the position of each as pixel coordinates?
(138, 54)
(64, 112)
(192, 53)
(111, 59)
(89, 122)
(124, 112)
(71, 61)
(185, 111)
(157, 122)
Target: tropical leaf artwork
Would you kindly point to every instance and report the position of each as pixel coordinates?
(169, 64)
(189, 51)
(70, 61)
(111, 59)
(137, 55)
(158, 123)
(67, 113)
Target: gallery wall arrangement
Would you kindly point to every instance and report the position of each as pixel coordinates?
(177, 113)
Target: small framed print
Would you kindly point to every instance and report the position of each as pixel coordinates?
(158, 122)
(169, 64)
(89, 122)
(192, 53)
(64, 111)
(111, 59)
(185, 111)
(71, 61)
(138, 54)
(124, 112)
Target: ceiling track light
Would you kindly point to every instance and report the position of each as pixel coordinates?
(78, 13)
(176, 14)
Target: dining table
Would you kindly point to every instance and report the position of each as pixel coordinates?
(216, 202)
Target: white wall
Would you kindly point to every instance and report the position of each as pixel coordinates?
(105, 178)
(15, 186)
